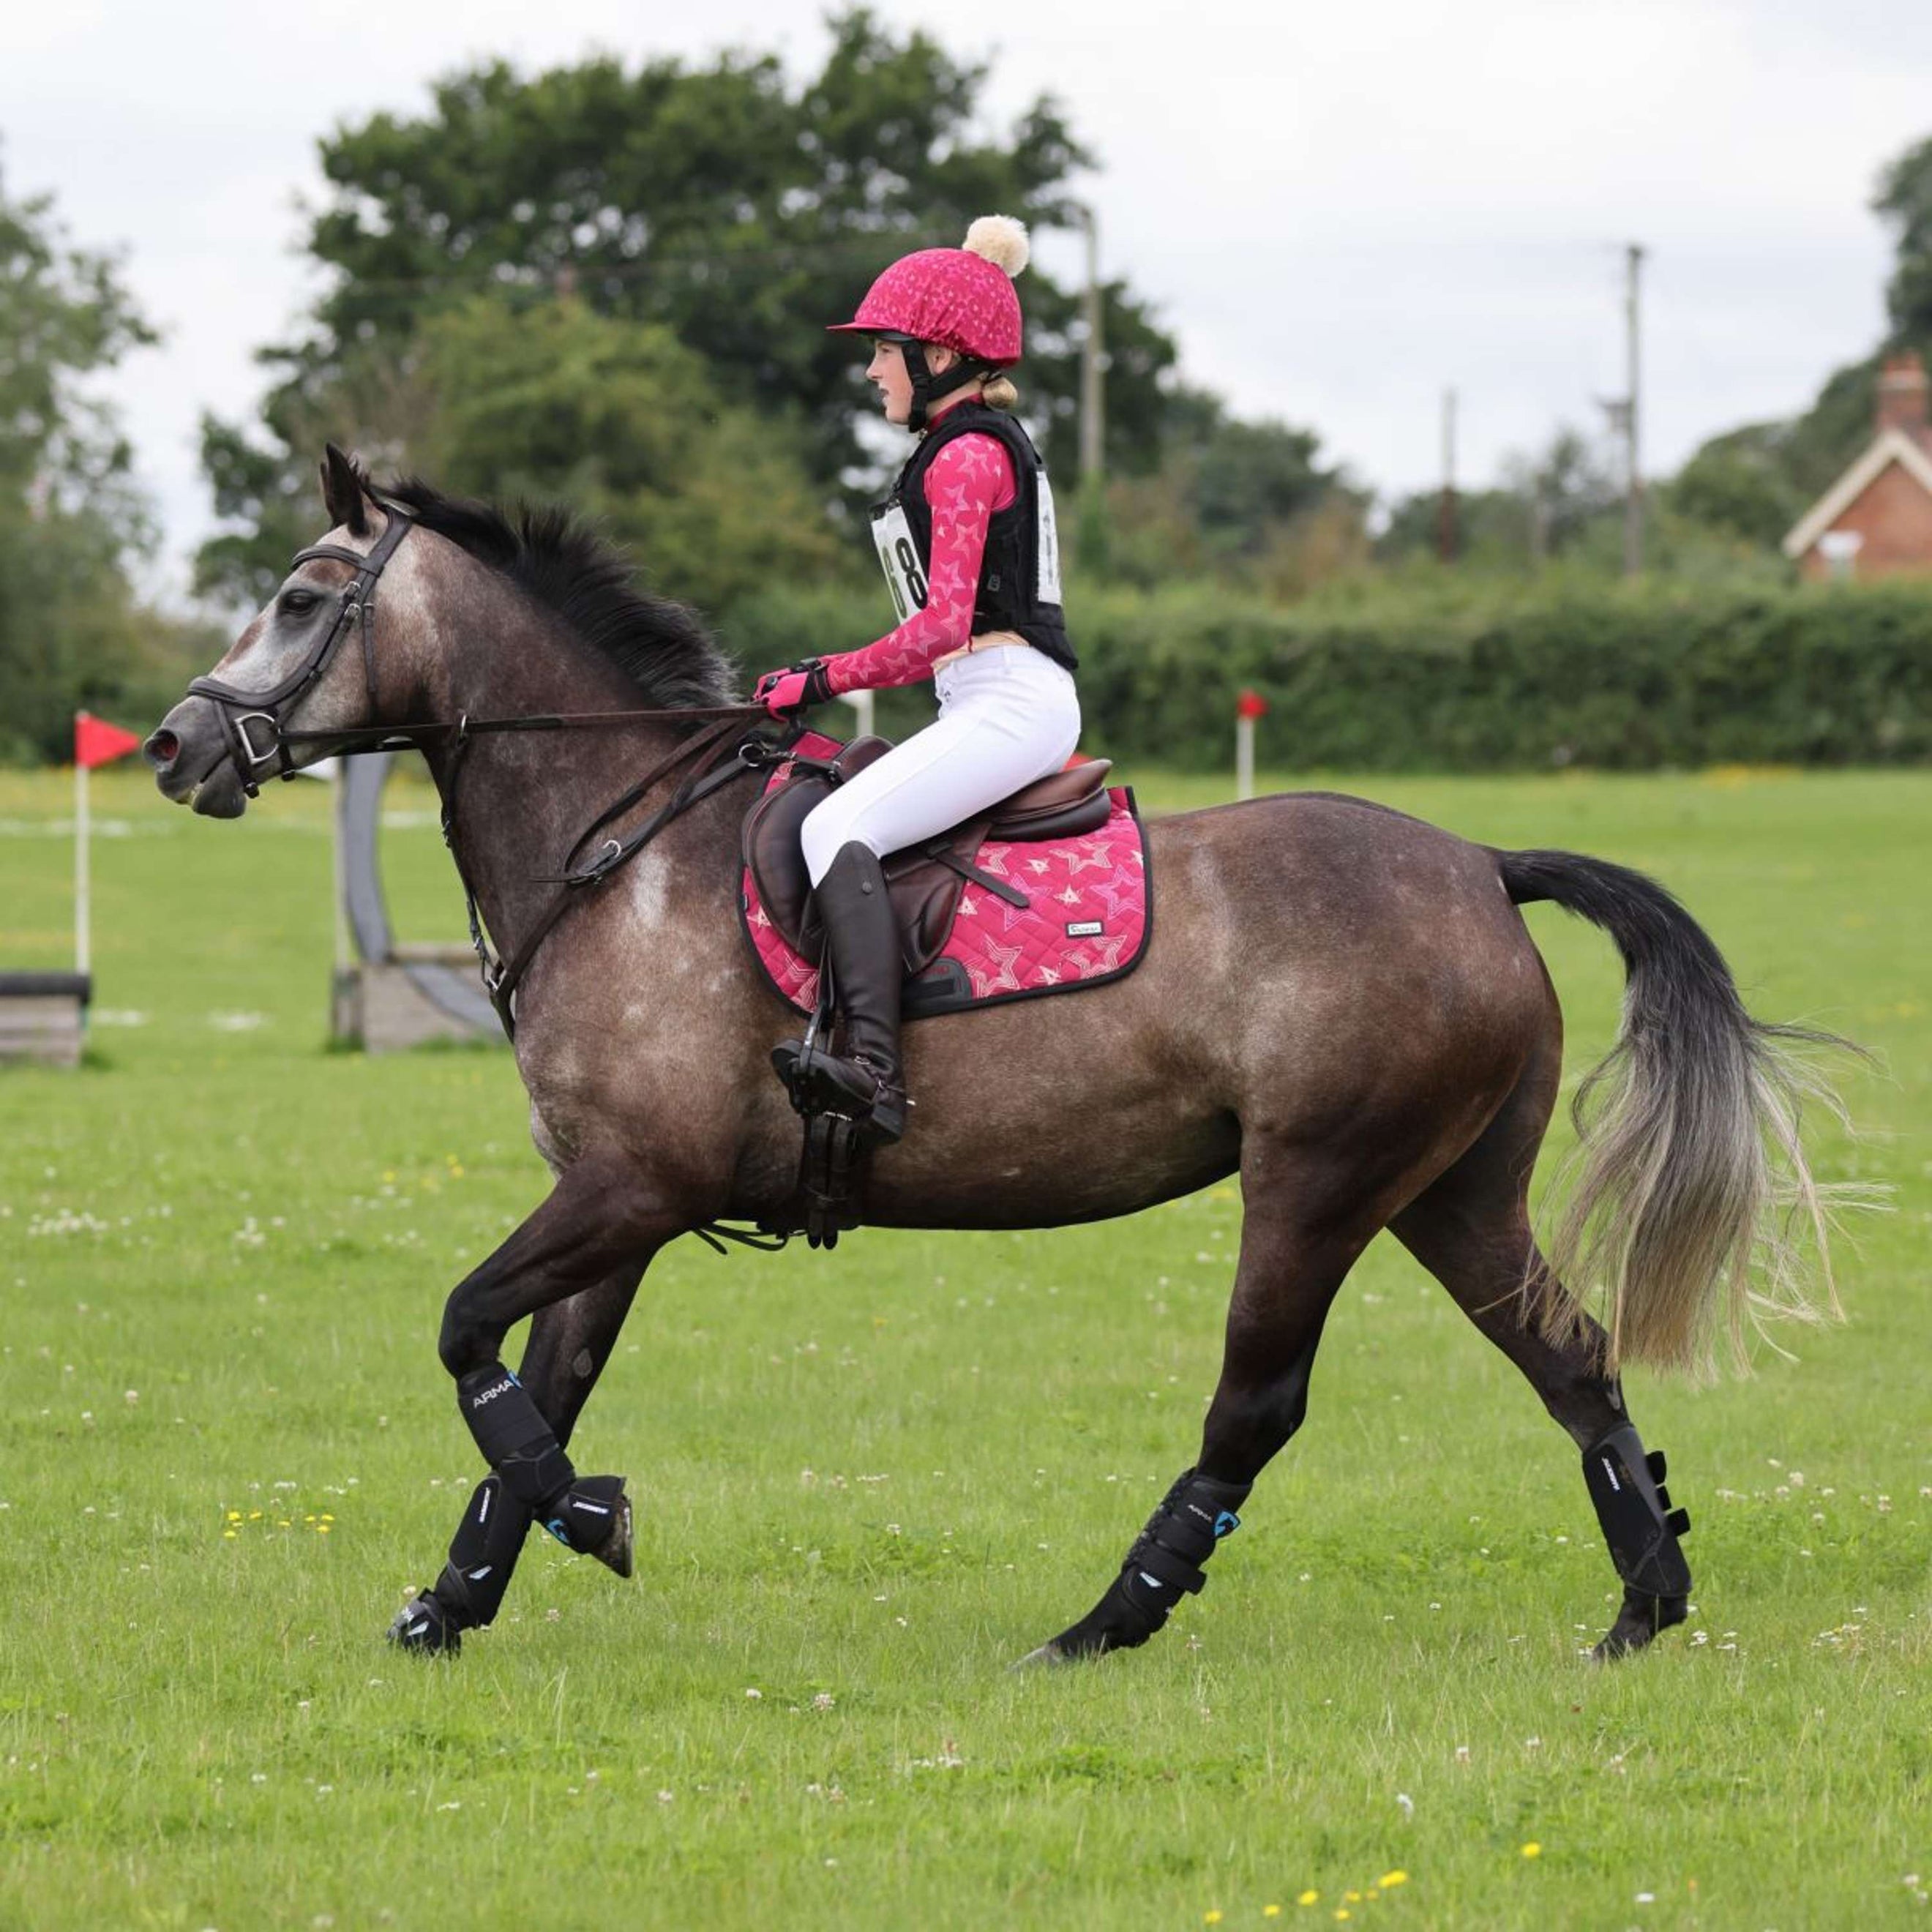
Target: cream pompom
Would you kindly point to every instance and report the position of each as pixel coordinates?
(1001, 240)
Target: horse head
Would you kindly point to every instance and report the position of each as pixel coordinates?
(305, 666)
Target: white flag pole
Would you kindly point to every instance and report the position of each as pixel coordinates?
(338, 804)
(82, 948)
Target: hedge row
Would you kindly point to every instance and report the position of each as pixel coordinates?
(1619, 678)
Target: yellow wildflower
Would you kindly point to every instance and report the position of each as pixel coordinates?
(1389, 1880)
(231, 1534)
(1309, 1898)
(1532, 1849)
(1210, 1917)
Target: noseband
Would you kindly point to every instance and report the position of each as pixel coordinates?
(240, 709)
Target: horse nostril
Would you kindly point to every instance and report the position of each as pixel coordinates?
(161, 750)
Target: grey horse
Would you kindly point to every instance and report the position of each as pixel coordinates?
(1340, 1003)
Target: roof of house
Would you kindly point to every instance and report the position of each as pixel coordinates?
(1888, 446)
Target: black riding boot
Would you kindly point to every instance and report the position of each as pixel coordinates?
(862, 945)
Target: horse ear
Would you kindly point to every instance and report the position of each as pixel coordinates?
(344, 488)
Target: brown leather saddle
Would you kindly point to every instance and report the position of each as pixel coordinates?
(924, 880)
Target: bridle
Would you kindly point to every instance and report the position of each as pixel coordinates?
(239, 709)
(730, 746)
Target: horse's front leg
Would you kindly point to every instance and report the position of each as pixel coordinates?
(588, 1244)
(569, 1343)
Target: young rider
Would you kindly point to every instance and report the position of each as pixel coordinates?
(967, 540)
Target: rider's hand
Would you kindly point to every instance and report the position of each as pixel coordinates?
(784, 692)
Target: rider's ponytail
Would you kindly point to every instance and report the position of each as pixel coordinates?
(999, 393)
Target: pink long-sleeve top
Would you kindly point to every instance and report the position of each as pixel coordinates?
(966, 483)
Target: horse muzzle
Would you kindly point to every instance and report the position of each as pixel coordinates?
(193, 763)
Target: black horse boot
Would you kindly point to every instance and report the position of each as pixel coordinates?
(862, 945)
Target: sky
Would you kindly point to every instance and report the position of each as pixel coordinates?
(1340, 211)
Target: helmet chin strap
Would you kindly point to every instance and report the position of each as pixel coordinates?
(928, 388)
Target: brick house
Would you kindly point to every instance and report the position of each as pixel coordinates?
(1877, 520)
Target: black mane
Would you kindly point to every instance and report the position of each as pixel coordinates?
(556, 558)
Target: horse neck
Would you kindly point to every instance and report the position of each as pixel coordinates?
(518, 800)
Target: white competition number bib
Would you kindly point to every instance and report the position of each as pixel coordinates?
(899, 556)
(1047, 588)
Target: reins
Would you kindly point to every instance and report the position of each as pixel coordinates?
(716, 755)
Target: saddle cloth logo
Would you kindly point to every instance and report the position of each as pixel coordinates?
(1087, 921)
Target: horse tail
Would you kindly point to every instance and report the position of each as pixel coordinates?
(1689, 1168)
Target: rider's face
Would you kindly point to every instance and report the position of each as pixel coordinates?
(888, 373)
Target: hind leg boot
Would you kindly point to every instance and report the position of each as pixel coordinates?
(1164, 1565)
(1633, 1507)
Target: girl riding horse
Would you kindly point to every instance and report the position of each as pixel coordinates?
(967, 540)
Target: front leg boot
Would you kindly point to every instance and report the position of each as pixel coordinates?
(590, 1514)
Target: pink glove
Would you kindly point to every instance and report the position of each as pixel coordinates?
(783, 692)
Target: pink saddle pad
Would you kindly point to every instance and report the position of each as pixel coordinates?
(1087, 921)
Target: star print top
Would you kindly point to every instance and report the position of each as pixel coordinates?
(964, 485)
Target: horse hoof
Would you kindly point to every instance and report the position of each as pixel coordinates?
(616, 1553)
(1641, 1620)
(1045, 1658)
(423, 1628)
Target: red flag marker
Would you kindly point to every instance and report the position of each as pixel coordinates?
(97, 743)
(1248, 707)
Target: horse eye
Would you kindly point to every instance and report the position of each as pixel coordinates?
(297, 603)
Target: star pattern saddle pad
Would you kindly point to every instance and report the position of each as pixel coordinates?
(1087, 914)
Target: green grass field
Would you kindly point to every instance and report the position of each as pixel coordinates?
(868, 1481)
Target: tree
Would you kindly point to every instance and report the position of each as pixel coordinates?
(63, 315)
(1792, 463)
(1561, 501)
(1741, 485)
(71, 634)
(621, 420)
(735, 208)
(1231, 498)
(1904, 199)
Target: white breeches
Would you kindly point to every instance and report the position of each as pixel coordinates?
(1006, 716)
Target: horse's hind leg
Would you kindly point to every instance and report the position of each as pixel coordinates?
(569, 1343)
(1470, 1230)
(1293, 1260)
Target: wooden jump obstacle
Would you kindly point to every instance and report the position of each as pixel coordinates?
(387, 995)
(43, 1017)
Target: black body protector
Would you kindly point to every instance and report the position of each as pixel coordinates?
(1019, 575)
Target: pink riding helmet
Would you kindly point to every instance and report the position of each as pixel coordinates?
(962, 298)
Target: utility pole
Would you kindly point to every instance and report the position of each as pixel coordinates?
(1634, 479)
(1091, 544)
(1092, 394)
(1445, 512)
